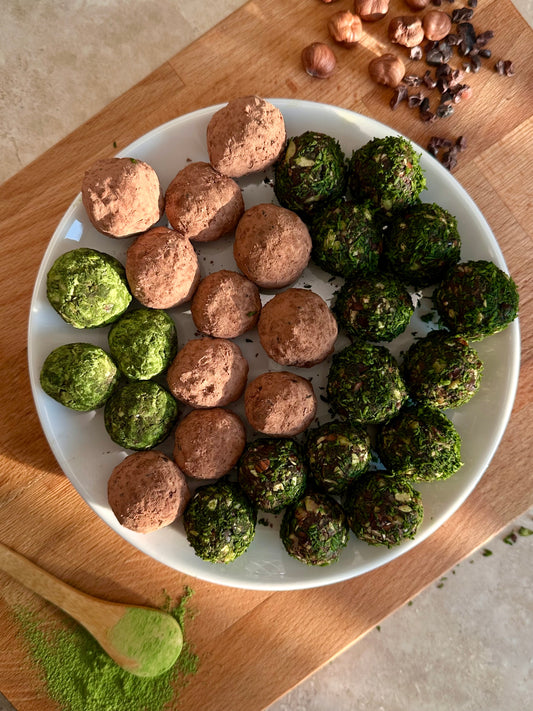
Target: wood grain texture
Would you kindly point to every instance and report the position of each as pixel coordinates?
(255, 646)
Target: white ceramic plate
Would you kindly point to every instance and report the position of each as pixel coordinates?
(87, 455)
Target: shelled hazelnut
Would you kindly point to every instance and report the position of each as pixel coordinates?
(388, 69)
(436, 25)
(319, 60)
(406, 30)
(371, 10)
(345, 28)
(417, 4)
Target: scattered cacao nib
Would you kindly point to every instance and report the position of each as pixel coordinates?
(485, 53)
(428, 116)
(505, 67)
(415, 53)
(412, 80)
(444, 110)
(437, 142)
(453, 39)
(415, 100)
(472, 3)
(424, 105)
(461, 143)
(483, 38)
(449, 159)
(468, 37)
(428, 80)
(399, 95)
(434, 57)
(462, 14)
(475, 63)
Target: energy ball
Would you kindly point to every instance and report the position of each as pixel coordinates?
(477, 299)
(245, 136)
(147, 491)
(208, 443)
(280, 404)
(87, 288)
(140, 415)
(296, 328)
(220, 522)
(143, 343)
(272, 473)
(162, 268)
(122, 196)
(272, 246)
(365, 384)
(202, 204)
(79, 375)
(225, 305)
(442, 370)
(208, 372)
(315, 529)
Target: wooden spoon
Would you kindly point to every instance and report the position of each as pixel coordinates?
(142, 640)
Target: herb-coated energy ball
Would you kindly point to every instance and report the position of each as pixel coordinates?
(421, 244)
(220, 522)
(143, 343)
(420, 443)
(337, 453)
(477, 299)
(383, 509)
(310, 173)
(387, 172)
(140, 415)
(87, 288)
(442, 370)
(79, 375)
(365, 384)
(272, 473)
(375, 308)
(314, 530)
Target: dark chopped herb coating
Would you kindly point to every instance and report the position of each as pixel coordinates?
(421, 244)
(140, 415)
(383, 509)
(476, 299)
(220, 521)
(442, 370)
(272, 472)
(373, 308)
(420, 443)
(315, 530)
(365, 384)
(337, 453)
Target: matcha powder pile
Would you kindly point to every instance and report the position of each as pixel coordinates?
(80, 676)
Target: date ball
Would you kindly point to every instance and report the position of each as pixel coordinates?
(122, 196)
(225, 305)
(208, 372)
(208, 443)
(245, 136)
(296, 328)
(280, 404)
(147, 491)
(202, 204)
(162, 268)
(272, 246)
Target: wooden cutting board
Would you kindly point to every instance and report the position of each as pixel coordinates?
(255, 646)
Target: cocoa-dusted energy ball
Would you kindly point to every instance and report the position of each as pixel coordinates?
(245, 136)
(225, 305)
(272, 246)
(162, 268)
(208, 372)
(296, 328)
(208, 443)
(122, 196)
(202, 204)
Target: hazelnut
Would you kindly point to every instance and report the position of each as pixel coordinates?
(436, 25)
(406, 30)
(345, 28)
(371, 10)
(318, 60)
(387, 69)
(417, 4)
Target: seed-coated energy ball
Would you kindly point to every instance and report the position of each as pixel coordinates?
(296, 328)
(375, 308)
(208, 443)
(147, 491)
(365, 384)
(272, 246)
(477, 299)
(202, 204)
(384, 509)
(315, 529)
(442, 370)
(420, 443)
(226, 304)
(79, 375)
(140, 415)
(272, 473)
(122, 196)
(87, 288)
(162, 268)
(143, 343)
(220, 522)
(337, 453)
